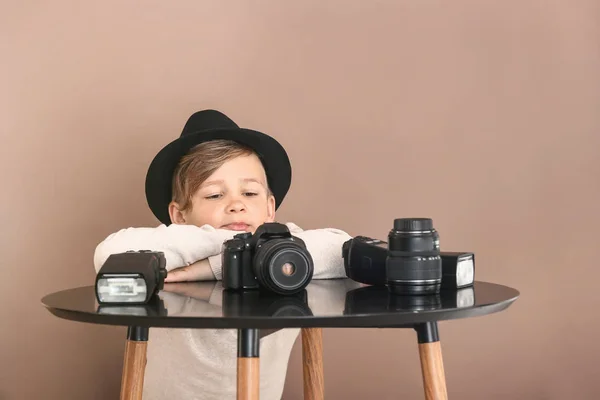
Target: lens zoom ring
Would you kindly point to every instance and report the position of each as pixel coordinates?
(413, 268)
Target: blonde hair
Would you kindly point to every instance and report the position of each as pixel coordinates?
(201, 162)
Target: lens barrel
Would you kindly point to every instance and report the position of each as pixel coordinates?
(413, 264)
(283, 266)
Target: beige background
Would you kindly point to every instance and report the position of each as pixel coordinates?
(482, 115)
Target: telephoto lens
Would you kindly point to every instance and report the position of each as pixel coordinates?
(413, 265)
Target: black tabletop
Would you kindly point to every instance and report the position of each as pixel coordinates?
(324, 303)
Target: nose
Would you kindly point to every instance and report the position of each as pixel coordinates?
(236, 206)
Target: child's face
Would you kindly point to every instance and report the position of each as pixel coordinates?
(233, 197)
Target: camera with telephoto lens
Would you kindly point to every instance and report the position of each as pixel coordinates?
(132, 277)
(410, 262)
(270, 259)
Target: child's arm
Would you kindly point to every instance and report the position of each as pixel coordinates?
(325, 247)
(183, 245)
(198, 271)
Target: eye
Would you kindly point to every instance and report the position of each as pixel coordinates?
(213, 196)
(250, 194)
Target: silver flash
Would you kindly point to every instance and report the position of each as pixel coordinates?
(458, 269)
(465, 271)
(121, 288)
(132, 277)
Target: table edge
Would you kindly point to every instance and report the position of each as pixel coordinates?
(354, 321)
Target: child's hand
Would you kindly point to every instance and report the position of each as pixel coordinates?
(198, 271)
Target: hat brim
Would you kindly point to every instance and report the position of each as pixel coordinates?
(159, 177)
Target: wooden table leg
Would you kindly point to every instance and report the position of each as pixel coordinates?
(312, 361)
(432, 365)
(248, 365)
(134, 363)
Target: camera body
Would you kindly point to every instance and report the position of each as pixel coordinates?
(365, 261)
(270, 259)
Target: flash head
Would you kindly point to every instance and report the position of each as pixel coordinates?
(458, 269)
(132, 277)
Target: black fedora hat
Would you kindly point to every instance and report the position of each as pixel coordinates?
(204, 126)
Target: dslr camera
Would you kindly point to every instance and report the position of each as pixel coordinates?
(270, 259)
(410, 262)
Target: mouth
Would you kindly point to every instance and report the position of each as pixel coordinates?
(237, 226)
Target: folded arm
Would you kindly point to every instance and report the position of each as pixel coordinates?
(183, 245)
(325, 247)
(195, 252)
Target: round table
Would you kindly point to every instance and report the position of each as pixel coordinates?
(335, 303)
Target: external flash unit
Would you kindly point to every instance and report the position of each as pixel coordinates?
(133, 277)
(458, 269)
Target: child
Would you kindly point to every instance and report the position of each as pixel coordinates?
(215, 181)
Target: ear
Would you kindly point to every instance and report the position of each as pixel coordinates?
(271, 208)
(176, 214)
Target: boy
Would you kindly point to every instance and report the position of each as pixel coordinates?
(213, 182)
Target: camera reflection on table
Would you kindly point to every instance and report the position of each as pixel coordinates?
(329, 297)
(377, 299)
(258, 303)
(322, 297)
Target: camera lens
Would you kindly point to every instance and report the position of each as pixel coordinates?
(413, 265)
(288, 269)
(283, 266)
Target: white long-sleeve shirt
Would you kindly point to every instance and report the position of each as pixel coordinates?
(202, 363)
